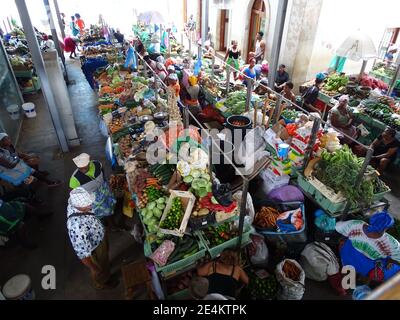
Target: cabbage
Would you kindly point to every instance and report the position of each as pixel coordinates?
(157, 212)
(160, 206)
(161, 200)
(151, 205)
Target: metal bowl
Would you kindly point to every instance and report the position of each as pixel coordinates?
(145, 118)
(160, 115)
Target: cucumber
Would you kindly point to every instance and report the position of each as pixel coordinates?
(184, 247)
(173, 255)
(190, 253)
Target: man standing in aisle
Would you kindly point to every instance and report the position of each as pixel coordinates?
(88, 238)
(260, 47)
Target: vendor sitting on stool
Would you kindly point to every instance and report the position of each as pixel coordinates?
(342, 120)
(385, 148)
(368, 248)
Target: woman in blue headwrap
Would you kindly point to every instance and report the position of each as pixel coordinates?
(368, 248)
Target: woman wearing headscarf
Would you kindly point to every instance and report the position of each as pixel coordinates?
(89, 238)
(342, 120)
(192, 98)
(368, 248)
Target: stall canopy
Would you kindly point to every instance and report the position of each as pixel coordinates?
(356, 47)
(149, 17)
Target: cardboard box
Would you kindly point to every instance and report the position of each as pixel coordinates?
(188, 201)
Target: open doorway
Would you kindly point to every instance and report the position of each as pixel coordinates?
(223, 31)
(258, 20)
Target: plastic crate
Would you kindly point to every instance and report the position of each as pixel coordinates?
(196, 223)
(214, 252)
(296, 236)
(380, 196)
(178, 265)
(180, 295)
(305, 185)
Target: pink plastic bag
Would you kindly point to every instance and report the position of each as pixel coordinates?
(160, 256)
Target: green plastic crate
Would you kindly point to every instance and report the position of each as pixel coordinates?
(216, 251)
(305, 185)
(180, 295)
(178, 265)
(380, 196)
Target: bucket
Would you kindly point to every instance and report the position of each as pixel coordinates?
(13, 111)
(19, 287)
(29, 109)
(283, 151)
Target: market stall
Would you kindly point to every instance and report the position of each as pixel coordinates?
(190, 209)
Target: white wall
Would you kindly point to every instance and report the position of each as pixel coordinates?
(340, 18)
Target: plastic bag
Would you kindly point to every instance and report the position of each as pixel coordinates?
(137, 233)
(160, 256)
(223, 193)
(252, 149)
(319, 261)
(270, 182)
(286, 194)
(249, 204)
(324, 222)
(258, 251)
(290, 289)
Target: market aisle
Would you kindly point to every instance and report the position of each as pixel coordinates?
(38, 135)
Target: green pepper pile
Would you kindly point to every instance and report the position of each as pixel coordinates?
(153, 194)
(220, 234)
(175, 215)
(289, 114)
(381, 112)
(263, 289)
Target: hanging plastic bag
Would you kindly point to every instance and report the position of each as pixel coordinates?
(258, 251)
(291, 289)
(197, 67)
(137, 233)
(249, 204)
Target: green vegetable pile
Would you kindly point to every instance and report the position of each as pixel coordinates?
(335, 82)
(220, 234)
(200, 182)
(152, 213)
(289, 114)
(262, 289)
(163, 172)
(339, 171)
(236, 102)
(153, 193)
(184, 248)
(174, 217)
(381, 112)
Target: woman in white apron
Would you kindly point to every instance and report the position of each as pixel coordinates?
(90, 176)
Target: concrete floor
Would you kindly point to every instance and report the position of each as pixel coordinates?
(38, 135)
(54, 249)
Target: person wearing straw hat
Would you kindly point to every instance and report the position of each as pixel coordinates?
(89, 175)
(89, 238)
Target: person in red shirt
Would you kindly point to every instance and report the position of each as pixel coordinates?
(79, 22)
